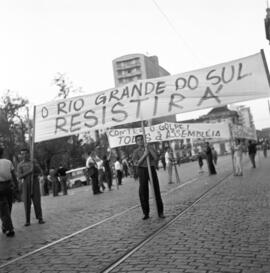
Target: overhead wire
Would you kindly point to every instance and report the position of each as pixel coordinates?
(166, 17)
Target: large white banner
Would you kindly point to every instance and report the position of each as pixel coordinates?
(169, 131)
(235, 81)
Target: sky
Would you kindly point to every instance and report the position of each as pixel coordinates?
(80, 38)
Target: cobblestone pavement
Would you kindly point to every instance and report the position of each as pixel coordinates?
(229, 231)
(96, 248)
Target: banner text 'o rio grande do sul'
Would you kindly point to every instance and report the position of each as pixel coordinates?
(235, 81)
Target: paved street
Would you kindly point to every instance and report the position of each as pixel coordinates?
(227, 230)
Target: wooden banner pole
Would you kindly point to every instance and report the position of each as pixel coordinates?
(232, 151)
(116, 180)
(174, 163)
(32, 145)
(149, 168)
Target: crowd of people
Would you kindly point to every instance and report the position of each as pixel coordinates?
(100, 172)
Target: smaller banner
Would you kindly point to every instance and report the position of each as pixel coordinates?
(169, 131)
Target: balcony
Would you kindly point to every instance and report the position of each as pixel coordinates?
(129, 75)
(126, 65)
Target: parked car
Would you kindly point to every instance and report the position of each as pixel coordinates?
(184, 159)
(194, 157)
(76, 177)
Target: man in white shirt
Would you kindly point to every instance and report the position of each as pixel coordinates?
(6, 175)
(92, 170)
(169, 163)
(119, 170)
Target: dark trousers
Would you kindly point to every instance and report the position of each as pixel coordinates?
(63, 182)
(119, 176)
(93, 173)
(108, 178)
(31, 193)
(5, 207)
(211, 167)
(252, 159)
(55, 186)
(10, 198)
(144, 190)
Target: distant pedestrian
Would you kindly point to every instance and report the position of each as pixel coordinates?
(119, 170)
(46, 186)
(252, 150)
(92, 172)
(29, 172)
(200, 162)
(8, 183)
(101, 173)
(209, 158)
(139, 158)
(125, 167)
(238, 157)
(264, 147)
(108, 171)
(215, 156)
(163, 161)
(54, 181)
(61, 173)
(169, 163)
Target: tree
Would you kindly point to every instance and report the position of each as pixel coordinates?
(14, 129)
(65, 86)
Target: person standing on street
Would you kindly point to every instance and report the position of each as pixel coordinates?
(125, 167)
(169, 163)
(252, 150)
(7, 176)
(264, 147)
(29, 172)
(200, 162)
(54, 180)
(119, 170)
(108, 171)
(139, 158)
(92, 171)
(215, 156)
(209, 157)
(61, 172)
(238, 157)
(101, 173)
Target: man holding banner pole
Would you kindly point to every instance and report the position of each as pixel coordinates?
(144, 157)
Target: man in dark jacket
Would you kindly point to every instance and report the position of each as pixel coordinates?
(139, 159)
(29, 171)
(61, 172)
(252, 150)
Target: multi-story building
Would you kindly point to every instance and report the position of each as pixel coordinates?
(134, 67)
(245, 117)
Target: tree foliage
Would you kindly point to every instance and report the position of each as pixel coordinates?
(14, 121)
